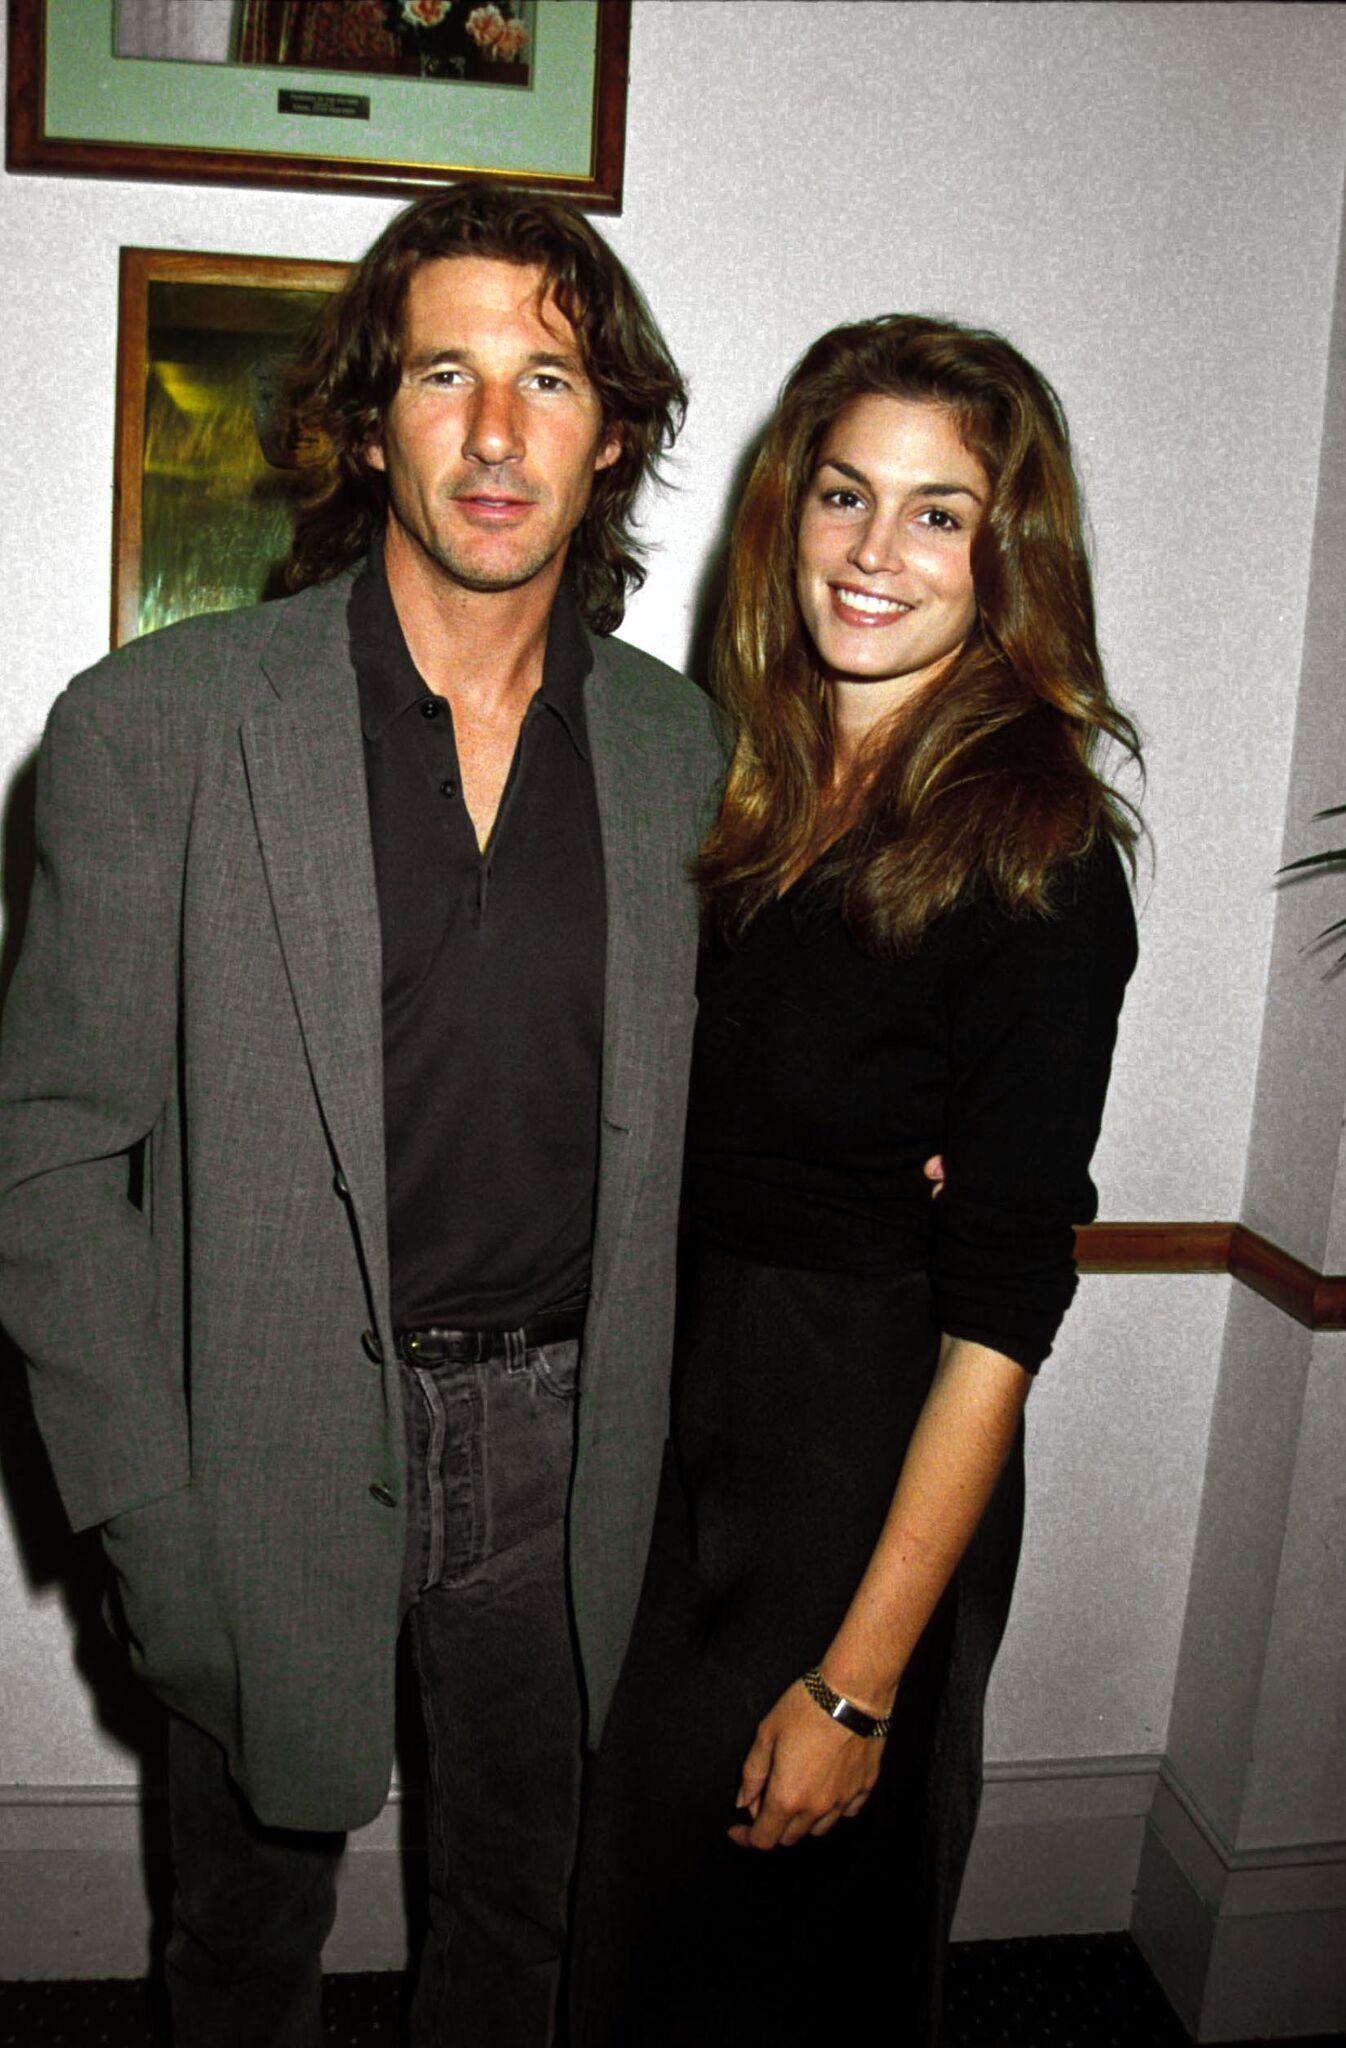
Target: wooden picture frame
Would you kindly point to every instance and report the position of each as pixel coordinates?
(75, 107)
(202, 510)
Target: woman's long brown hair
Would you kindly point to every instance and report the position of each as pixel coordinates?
(988, 779)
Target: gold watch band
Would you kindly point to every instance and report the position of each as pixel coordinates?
(843, 1711)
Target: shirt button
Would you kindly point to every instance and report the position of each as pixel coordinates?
(430, 707)
(339, 1185)
(373, 1348)
(448, 788)
(384, 1495)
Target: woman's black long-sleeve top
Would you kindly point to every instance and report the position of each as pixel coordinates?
(823, 1078)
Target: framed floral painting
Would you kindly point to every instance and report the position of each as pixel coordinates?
(368, 96)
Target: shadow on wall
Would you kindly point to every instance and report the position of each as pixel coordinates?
(710, 592)
(19, 856)
(51, 1558)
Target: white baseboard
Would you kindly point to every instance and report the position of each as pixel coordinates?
(1249, 1945)
(1056, 1853)
(72, 1882)
(1057, 1847)
(79, 1863)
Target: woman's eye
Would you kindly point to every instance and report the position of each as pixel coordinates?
(936, 517)
(845, 501)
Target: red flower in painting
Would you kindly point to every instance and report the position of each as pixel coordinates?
(485, 25)
(494, 35)
(425, 13)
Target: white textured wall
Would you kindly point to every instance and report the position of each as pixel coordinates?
(1145, 198)
(1257, 1733)
(1292, 1186)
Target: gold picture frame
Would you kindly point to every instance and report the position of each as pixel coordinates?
(203, 488)
(78, 108)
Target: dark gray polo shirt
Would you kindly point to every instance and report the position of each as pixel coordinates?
(493, 966)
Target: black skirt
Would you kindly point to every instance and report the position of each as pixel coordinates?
(795, 1396)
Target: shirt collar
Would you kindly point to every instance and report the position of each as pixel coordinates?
(568, 661)
(389, 681)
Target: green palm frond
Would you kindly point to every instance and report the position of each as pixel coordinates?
(1335, 857)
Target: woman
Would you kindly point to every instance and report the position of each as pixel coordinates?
(918, 934)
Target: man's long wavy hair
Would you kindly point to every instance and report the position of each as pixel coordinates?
(351, 365)
(987, 781)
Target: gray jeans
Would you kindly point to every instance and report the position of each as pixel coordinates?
(489, 1455)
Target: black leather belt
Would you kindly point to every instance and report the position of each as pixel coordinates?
(436, 1346)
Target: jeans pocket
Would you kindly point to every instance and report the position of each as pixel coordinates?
(556, 1367)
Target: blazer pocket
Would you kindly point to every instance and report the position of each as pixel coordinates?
(156, 1604)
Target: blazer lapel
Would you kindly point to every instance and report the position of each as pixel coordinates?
(306, 773)
(618, 780)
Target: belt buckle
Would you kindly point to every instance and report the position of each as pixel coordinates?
(428, 1346)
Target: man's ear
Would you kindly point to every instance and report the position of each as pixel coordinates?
(610, 450)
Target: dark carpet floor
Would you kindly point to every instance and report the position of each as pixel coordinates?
(1079, 1991)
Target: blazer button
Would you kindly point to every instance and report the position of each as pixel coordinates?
(339, 1183)
(384, 1495)
(373, 1348)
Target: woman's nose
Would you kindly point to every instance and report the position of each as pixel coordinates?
(879, 545)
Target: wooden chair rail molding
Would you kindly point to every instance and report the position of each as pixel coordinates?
(1318, 1300)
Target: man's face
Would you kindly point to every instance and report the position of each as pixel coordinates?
(495, 434)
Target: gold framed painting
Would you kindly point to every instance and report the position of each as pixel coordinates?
(204, 484)
(370, 96)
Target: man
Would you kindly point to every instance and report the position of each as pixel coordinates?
(365, 915)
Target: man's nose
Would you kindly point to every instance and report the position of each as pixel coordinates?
(494, 427)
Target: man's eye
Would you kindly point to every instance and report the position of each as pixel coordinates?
(545, 380)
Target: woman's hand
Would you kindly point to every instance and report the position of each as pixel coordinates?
(803, 1774)
(804, 1771)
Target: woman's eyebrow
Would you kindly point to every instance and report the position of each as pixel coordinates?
(931, 490)
(946, 491)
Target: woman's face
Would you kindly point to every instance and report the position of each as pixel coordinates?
(883, 567)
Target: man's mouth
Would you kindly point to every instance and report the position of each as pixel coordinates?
(493, 505)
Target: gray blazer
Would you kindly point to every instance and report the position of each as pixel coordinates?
(213, 1370)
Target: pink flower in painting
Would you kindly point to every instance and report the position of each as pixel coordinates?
(509, 44)
(425, 13)
(486, 25)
